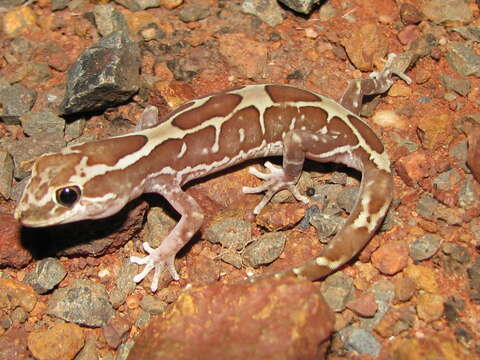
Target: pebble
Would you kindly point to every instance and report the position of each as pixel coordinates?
(459, 153)
(445, 11)
(153, 305)
(303, 7)
(14, 293)
(48, 273)
(396, 321)
(38, 123)
(425, 247)
(6, 174)
(360, 340)
(83, 302)
(410, 14)
(413, 167)
(384, 292)
(430, 307)
(13, 344)
(435, 131)
(447, 180)
(391, 257)
(12, 251)
(124, 283)
(159, 224)
(89, 350)
(347, 197)
(116, 331)
(452, 308)
(171, 4)
(108, 19)
(231, 233)
(108, 72)
(338, 290)
(61, 342)
(388, 118)
(474, 279)
(460, 86)
(405, 288)
(18, 19)
(16, 100)
(462, 59)
(123, 350)
(267, 11)
(468, 196)
(194, 12)
(456, 252)
(265, 249)
(326, 225)
(364, 305)
(425, 278)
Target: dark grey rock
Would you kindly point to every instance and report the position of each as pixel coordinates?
(105, 74)
(124, 283)
(427, 206)
(153, 305)
(194, 12)
(337, 290)
(42, 121)
(267, 11)
(265, 249)
(301, 6)
(347, 197)
(459, 152)
(424, 247)
(361, 341)
(474, 278)
(6, 174)
(460, 86)
(108, 19)
(456, 252)
(83, 302)
(16, 100)
(47, 274)
(462, 59)
(232, 257)
(326, 225)
(231, 233)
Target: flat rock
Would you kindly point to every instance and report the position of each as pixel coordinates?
(12, 252)
(268, 319)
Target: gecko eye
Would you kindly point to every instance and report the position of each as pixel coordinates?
(67, 196)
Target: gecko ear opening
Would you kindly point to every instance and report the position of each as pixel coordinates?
(68, 196)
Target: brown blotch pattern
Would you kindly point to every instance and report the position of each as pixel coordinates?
(219, 105)
(337, 126)
(110, 151)
(277, 120)
(367, 133)
(315, 118)
(248, 120)
(282, 93)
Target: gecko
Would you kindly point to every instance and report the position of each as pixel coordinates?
(97, 179)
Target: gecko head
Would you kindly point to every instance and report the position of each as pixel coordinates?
(57, 192)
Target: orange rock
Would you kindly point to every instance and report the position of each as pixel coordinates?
(18, 19)
(365, 305)
(62, 342)
(430, 307)
(391, 257)
(413, 167)
(267, 319)
(12, 252)
(435, 131)
(14, 293)
(424, 277)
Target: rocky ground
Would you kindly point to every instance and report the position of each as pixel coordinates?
(74, 71)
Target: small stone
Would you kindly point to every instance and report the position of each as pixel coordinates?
(396, 321)
(153, 305)
(108, 19)
(410, 14)
(457, 252)
(14, 293)
(16, 100)
(430, 307)
(446, 11)
(459, 153)
(123, 350)
(148, 4)
(13, 344)
(47, 274)
(124, 283)
(19, 315)
(391, 257)
(42, 121)
(194, 12)
(171, 4)
(460, 86)
(6, 174)
(265, 249)
(462, 59)
(159, 225)
(364, 305)
(424, 277)
(231, 233)
(435, 131)
(361, 341)
(338, 290)
(425, 247)
(474, 278)
(447, 180)
(275, 218)
(232, 258)
(18, 19)
(346, 198)
(84, 302)
(61, 342)
(12, 252)
(406, 36)
(413, 167)
(326, 225)
(89, 350)
(74, 129)
(405, 288)
(388, 118)
(116, 331)
(267, 11)
(303, 7)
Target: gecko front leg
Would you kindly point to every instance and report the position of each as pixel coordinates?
(164, 256)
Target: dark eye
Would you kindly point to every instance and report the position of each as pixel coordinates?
(67, 196)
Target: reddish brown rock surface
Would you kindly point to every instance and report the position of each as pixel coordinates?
(268, 319)
(12, 253)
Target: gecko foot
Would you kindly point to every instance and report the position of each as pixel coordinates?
(157, 261)
(274, 181)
